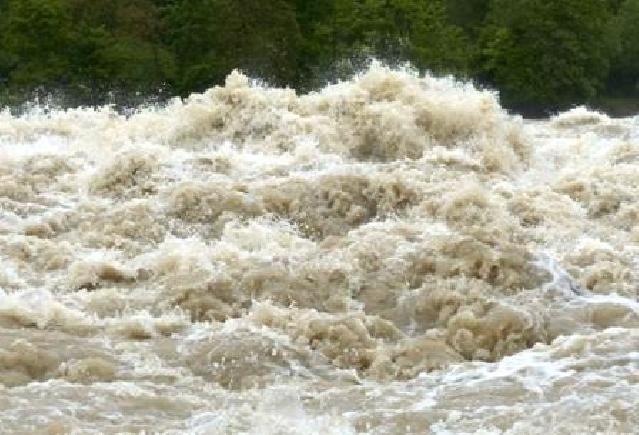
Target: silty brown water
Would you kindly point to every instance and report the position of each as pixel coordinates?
(393, 254)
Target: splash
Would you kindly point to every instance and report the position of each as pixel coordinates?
(391, 254)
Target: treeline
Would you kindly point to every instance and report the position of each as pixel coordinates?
(540, 54)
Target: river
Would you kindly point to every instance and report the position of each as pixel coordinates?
(392, 254)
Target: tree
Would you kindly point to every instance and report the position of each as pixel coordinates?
(5, 57)
(82, 48)
(212, 37)
(542, 52)
(316, 51)
(349, 32)
(435, 44)
(538, 53)
(118, 47)
(36, 37)
(624, 77)
(468, 14)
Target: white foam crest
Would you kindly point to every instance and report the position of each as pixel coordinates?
(393, 253)
(280, 411)
(579, 116)
(39, 308)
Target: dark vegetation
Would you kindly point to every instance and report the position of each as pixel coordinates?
(542, 55)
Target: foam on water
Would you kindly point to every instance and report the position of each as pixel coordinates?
(392, 254)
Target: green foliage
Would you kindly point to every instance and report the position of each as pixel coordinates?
(36, 40)
(342, 34)
(434, 43)
(624, 78)
(83, 47)
(536, 52)
(468, 14)
(212, 37)
(546, 52)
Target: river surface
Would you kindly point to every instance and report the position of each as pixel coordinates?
(391, 255)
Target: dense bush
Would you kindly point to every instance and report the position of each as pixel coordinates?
(538, 53)
(550, 52)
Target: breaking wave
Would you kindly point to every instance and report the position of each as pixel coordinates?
(391, 254)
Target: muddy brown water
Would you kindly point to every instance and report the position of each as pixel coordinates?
(393, 254)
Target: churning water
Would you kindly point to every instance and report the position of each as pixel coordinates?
(393, 254)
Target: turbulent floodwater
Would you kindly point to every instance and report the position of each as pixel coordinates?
(393, 254)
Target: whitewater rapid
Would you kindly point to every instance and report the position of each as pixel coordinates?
(392, 254)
